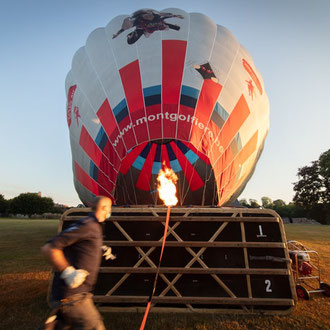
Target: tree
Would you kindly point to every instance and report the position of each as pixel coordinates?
(254, 203)
(313, 188)
(266, 202)
(31, 203)
(3, 205)
(324, 163)
(244, 202)
(309, 187)
(279, 202)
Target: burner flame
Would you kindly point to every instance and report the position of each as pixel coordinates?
(167, 180)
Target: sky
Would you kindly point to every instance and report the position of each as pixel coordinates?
(289, 41)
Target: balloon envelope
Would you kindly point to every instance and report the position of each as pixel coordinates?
(166, 88)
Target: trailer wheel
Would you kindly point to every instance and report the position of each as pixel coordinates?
(326, 288)
(302, 292)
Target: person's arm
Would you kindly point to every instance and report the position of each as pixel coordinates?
(53, 252)
(117, 34)
(55, 257)
(107, 253)
(72, 277)
(170, 15)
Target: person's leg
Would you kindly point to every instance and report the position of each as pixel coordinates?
(134, 36)
(80, 312)
(173, 26)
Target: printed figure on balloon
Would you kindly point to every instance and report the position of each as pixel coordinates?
(206, 71)
(250, 88)
(76, 114)
(146, 21)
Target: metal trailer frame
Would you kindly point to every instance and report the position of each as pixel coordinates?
(306, 284)
(172, 298)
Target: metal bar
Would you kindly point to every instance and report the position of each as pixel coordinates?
(190, 218)
(182, 310)
(196, 300)
(178, 209)
(215, 277)
(144, 256)
(196, 256)
(287, 256)
(196, 244)
(246, 260)
(222, 216)
(181, 270)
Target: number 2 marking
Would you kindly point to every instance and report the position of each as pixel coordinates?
(268, 283)
(261, 233)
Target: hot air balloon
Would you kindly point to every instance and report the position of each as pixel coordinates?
(164, 88)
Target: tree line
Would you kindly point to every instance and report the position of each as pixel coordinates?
(312, 193)
(311, 199)
(28, 204)
(290, 210)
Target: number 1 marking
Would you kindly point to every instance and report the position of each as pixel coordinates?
(261, 233)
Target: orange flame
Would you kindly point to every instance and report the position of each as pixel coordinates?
(166, 186)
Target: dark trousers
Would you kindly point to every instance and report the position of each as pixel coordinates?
(76, 312)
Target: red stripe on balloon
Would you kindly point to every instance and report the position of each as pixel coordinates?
(143, 181)
(192, 177)
(234, 122)
(173, 57)
(230, 173)
(184, 126)
(108, 122)
(131, 157)
(88, 182)
(131, 80)
(107, 118)
(104, 182)
(111, 154)
(223, 162)
(89, 146)
(155, 127)
(212, 131)
(164, 156)
(95, 154)
(230, 128)
(206, 101)
(247, 150)
(127, 130)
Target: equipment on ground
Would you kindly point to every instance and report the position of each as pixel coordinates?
(216, 259)
(306, 270)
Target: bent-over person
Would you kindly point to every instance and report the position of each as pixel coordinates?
(75, 253)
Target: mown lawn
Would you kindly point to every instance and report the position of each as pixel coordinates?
(24, 279)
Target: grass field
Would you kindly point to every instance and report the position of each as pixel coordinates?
(24, 280)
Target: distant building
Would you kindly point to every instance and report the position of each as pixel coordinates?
(61, 205)
(36, 193)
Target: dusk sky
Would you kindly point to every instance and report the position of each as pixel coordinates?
(289, 41)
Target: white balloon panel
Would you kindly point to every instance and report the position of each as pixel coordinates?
(168, 87)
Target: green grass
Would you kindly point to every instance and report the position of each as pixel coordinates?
(20, 242)
(310, 233)
(24, 277)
